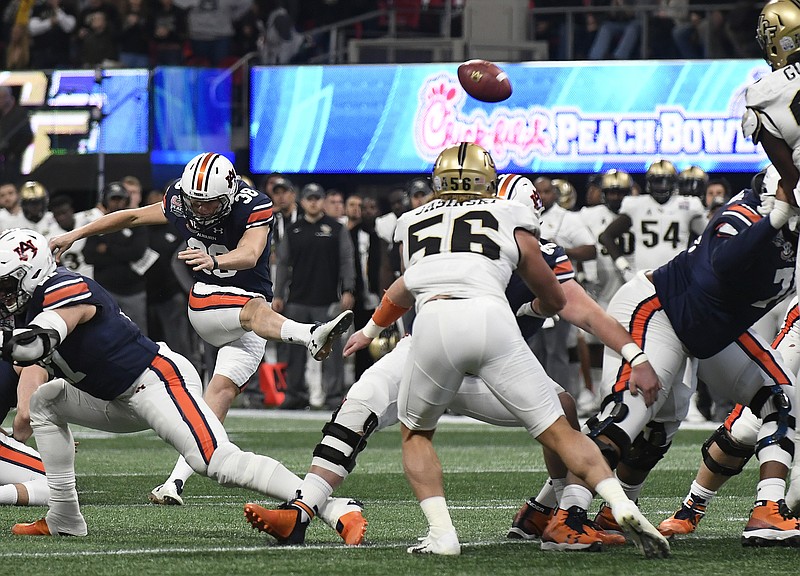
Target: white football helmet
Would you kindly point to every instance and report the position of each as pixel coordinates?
(521, 189)
(208, 177)
(25, 262)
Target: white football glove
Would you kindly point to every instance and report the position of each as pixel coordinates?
(527, 310)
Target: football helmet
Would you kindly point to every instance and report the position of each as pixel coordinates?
(692, 181)
(521, 189)
(34, 199)
(464, 170)
(25, 262)
(207, 177)
(778, 32)
(615, 184)
(385, 343)
(567, 195)
(661, 180)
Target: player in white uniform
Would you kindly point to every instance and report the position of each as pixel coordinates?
(34, 215)
(771, 119)
(459, 251)
(227, 227)
(661, 221)
(67, 219)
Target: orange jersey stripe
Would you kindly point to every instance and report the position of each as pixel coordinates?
(563, 268)
(763, 358)
(791, 319)
(260, 216)
(186, 405)
(211, 301)
(19, 458)
(735, 414)
(59, 294)
(638, 328)
(750, 215)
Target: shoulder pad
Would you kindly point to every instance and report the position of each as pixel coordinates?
(751, 124)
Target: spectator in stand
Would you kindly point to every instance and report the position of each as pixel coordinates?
(315, 281)
(51, 25)
(669, 15)
(702, 36)
(90, 7)
(718, 192)
(211, 28)
(620, 31)
(166, 299)
(739, 23)
(134, 44)
(169, 33)
(333, 206)
(15, 135)
(99, 46)
(120, 259)
(280, 42)
(134, 187)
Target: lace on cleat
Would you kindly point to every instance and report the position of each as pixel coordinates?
(569, 530)
(167, 494)
(684, 521)
(445, 545)
(771, 524)
(644, 535)
(530, 521)
(323, 335)
(605, 520)
(284, 524)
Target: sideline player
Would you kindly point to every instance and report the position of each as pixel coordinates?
(108, 376)
(226, 224)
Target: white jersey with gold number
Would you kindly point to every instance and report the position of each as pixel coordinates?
(773, 104)
(461, 249)
(661, 231)
(73, 258)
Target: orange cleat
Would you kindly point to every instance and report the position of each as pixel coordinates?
(284, 524)
(38, 528)
(605, 520)
(530, 521)
(684, 521)
(352, 527)
(771, 524)
(569, 530)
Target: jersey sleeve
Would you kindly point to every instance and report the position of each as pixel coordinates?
(557, 259)
(739, 236)
(762, 101)
(65, 291)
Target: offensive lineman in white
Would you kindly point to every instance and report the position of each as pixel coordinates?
(459, 251)
(662, 222)
(771, 119)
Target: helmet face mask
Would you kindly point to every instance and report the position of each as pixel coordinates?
(778, 32)
(615, 185)
(661, 180)
(692, 181)
(208, 182)
(25, 262)
(464, 170)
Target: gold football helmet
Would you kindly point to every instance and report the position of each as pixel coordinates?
(692, 181)
(778, 32)
(615, 185)
(567, 195)
(464, 170)
(33, 199)
(385, 343)
(661, 180)
(32, 191)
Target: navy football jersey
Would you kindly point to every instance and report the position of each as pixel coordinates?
(737, 271)
(250, 208)
(103, 356)
(8, 388)
(518, 292)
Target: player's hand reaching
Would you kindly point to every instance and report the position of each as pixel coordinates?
(645, 381)
(358, 341)
(198, 259)
(60, 244)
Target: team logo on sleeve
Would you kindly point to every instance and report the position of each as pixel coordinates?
(26, 250)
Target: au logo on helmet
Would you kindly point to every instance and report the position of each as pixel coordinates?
(25, 247)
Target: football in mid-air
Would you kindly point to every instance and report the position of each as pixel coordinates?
(484, 80)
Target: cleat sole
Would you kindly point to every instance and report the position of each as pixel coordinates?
(566, 547)
(339, 329)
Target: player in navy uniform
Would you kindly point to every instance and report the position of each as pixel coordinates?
(700, 305)
(226, 224)
(106, 375)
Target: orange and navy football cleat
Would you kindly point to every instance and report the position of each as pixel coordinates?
(284, 524)
(38, 528)
(605, 520)
(530, 521)
(771, 524)
(684, 521)
(569, 530)
(352, 527)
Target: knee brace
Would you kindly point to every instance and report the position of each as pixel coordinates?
(340, 445)
(648, 448)
(609, 428)
(777, 424)
(729, 447)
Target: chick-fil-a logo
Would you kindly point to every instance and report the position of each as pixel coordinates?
(511, 135)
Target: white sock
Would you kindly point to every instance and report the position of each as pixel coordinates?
(575, 495)
(611, 491)
(182, 472)
(8, 495)
(295, 332)
(771, 489)
(631, 490)
(314, 492)
(38, 492)
(547, 495)
(438, 516)
(699, 495)
(558, 485)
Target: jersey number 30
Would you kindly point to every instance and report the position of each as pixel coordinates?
(465, 235)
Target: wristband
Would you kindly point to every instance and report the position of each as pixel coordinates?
(372, 330)
(630, 351)
(640, 358)
(388, 312)
(622, 264)
(214, 260)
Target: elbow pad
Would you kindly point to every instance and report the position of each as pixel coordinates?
(27, 346)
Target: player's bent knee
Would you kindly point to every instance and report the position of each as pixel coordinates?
(733, 450)
(43, 400)
(648, 448)
(341, 444)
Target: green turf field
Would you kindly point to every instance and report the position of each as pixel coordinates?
(488, 473)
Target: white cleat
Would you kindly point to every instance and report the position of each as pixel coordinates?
(647, 539)
(167, 494)
(323, 335)
(445, 545)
